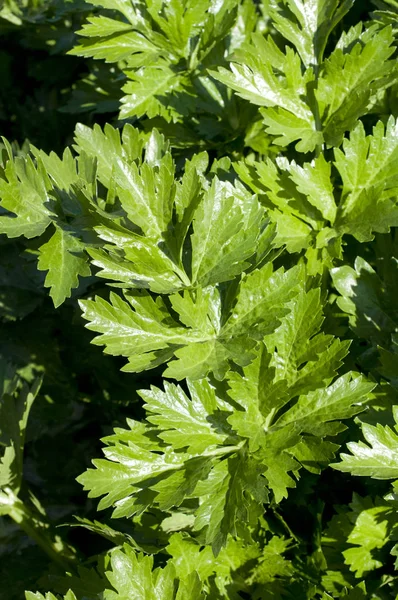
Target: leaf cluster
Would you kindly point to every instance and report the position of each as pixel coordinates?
(221, 227)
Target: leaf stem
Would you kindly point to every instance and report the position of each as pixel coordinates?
(285, 525)
(225, 450)
(318, 123)
(37, 528)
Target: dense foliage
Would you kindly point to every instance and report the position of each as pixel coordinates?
(208, 191)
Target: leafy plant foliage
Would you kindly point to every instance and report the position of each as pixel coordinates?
(199, 278)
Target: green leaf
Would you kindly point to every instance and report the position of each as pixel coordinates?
(309, 211)
(277, 439)
(371, 532)
(62, 171)
(188, 556)
(287, 128)
(368, 169)
(309, 24)
(124, 6)
(377, 457)
(112, 41)
(224, 450)
(313, 180)
(255, 76)
(367, 301)
(272, 563)
(145, 87)
(350, 76)
(296, 197)
(144, 264)
(226, 227)
(262, 299)
(341, 400)
(146, 194)
(360, 533)
(303, 357)
(139, 328)
(314, 454)
(264, 90)
(158, 584)
(147, 233)
(37, 596)
(64, 259)
(108, 146)
(162, 48)
(145, 331)
(15, 404)
(24, 193)
(299, 360)
(230, 500)
(184, 422)
(149, 472)
(292, 233)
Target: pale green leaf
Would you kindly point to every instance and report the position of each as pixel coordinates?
(188, 556)
(111, 47)
(272, 564)
(144, 90)
(368, 167)
(291, 231)
(146, 194)
(349, 77)
(302, 356)
(313, 180)
(294, 213)
(255, 76)
(371, 532)
(63, 171)
(366, 299)
(256, 81)
(117, 476)
(133, 576)
(226, 229)
(262, 299)
(103, 26)
(287, 128)
(133, 466)
(15, 405)
(224, 451)
(299, 359)
(123, 6)
(144, 264)
(309, 25)
(340, 400)
(208, 355)
(146, 332)
(147, 243)
(64, 258)
(185, 422)
(129, 329)
(377, 457)
(108, 146)
(24, 193)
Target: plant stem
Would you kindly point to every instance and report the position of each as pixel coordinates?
(37, 528)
